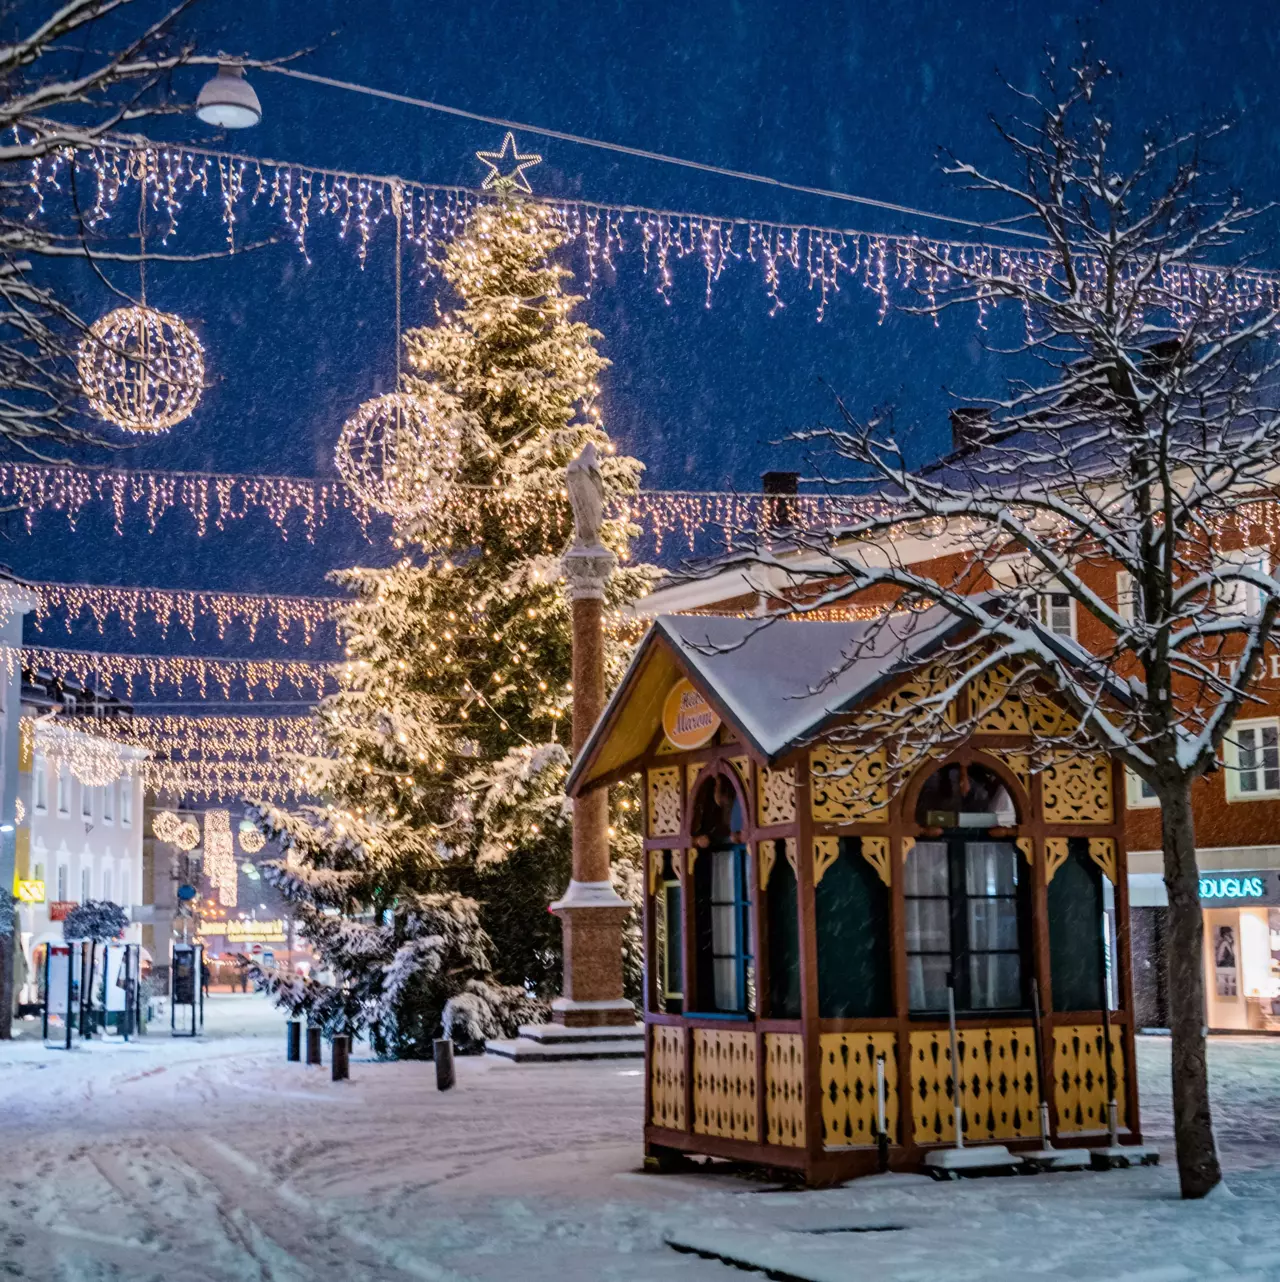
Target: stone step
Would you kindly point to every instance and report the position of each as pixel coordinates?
(548, 1033)
(528, 1050)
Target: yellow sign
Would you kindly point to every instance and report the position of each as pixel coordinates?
(247, 932)
(30, 892)
(688, 720)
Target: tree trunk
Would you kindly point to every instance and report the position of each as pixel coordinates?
(1198, 1167)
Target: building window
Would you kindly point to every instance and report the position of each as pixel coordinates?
(668, 936)
(1058, 613)
(86, 884)
(108, 803)
(106, 883)
(1141, 795)
(966, 898)
(1234, 596)
(40, 778)
(126, 888)
(64, 790)
(126, 802)
(1253, 760)
(37, 872)
(64, 883)
(86, 801)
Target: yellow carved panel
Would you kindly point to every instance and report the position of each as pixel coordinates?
(848, 1074)
(767, 853)
(909, 696)
(1079, 1077)
(724, 1084)
(664, 801)
(691, 773)
(784, 1089)
(775, 797)
(995, 709)
(847, 787)
(1102, 850)
(826, 850)
(789, 845)
(1056, 851)
(1028, 847)
(667, 1077)
(1077, 790)
(875, 850)
(1019, 766)
(1001, 1097)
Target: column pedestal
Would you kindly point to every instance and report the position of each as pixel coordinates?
(592, 915)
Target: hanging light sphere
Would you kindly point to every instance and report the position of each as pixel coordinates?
(141, 369)
(251, 840)
(165, 824)
(398, 453)
(188, 835)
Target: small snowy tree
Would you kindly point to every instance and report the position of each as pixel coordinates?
(1147, 445)
(98, 920)
(443, 793)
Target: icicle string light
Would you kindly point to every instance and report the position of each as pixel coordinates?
(168, 607)
(819, 259)
(130, 671)
(204, 737)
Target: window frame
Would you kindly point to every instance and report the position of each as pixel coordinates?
(39, 784)
(1244, 600)
(1231, 755)
(1127, 591)
(1044, 609)
(86, 802)
(1135, 798)
(63, 790)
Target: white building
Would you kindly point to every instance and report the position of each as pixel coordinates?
(77, 840)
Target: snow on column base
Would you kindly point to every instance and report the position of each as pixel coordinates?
(590, 894)
(1115, 1156)
(943, 1163)
(1055, 1159)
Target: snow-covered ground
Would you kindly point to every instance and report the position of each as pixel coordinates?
(216, 1160)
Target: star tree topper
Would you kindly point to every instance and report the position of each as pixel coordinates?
(498, 161)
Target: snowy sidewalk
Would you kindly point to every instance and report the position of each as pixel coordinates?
(217, 1161)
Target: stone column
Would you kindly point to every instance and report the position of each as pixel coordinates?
(591, 911)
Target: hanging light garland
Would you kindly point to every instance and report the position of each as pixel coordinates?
(139, 368)
(819, 259)
(170, 606)
(107, 671)
(94, 761)
(187, 736)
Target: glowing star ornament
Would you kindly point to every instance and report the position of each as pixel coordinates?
(506, 167)
(398, 453)
(141, 369)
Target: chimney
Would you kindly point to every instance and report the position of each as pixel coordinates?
(968, 427)
(778, 487)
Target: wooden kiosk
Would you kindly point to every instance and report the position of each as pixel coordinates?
(801, 921)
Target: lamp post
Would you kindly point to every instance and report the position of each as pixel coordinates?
(591, 910)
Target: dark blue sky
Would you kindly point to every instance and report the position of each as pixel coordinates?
(854, 96)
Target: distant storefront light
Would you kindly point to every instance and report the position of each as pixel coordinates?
(1246, 886)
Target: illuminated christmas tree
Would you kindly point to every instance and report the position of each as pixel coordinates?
(424, 878)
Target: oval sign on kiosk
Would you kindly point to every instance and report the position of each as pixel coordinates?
(688, 720)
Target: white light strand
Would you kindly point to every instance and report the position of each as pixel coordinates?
(220, 856)
(820, 259)
(177, 606)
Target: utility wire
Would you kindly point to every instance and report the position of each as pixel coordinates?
(643, 154)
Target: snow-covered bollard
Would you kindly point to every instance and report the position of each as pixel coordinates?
(444, 1063)
(340, 1057)
(294, 1044)
(313, 1044)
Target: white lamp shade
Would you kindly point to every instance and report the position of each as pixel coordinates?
(228, 100)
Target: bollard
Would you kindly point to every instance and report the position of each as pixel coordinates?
(444, 1064)
(313, 1045)
(340, 1057)
(295, 1041)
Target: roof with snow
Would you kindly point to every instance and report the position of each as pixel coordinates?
(775, 682)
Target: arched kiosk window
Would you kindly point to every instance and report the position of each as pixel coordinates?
(967, 897)
(722, 902)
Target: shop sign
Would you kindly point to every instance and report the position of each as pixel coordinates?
(1239, 888)
(30, 892)
(59, 909)
(688, 720)
(244, 932)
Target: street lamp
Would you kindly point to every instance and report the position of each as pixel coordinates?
(228, 100)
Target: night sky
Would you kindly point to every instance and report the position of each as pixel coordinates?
(852, 96)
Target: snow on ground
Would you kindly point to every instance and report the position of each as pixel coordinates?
(216, 1160)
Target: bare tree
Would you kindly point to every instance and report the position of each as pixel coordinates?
(1140, 436)
(57, 92)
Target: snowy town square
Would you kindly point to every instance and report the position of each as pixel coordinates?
(639, 641)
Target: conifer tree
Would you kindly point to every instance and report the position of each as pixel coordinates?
(424, 877)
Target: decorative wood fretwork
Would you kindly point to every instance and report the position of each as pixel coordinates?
(826, 850)
(775, 797)
(847, 787)
(909, 697)
(743, 766)
(1001, 1086)
(908, 845)
(655, 858)
(875, 850)
(1028, 847)
(724, 1084)
(665, 748)
(1079, 1077)
(1019, 766)
(1077, 790)
(692, 859)
(784, 1089)
(849, 1114)
(691, 773)
(790, 847)
(666, 1076)
(767, 854)
(664, 801)
(1056, 851)
(1102, 850)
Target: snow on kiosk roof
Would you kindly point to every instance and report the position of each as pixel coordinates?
(770, 680)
